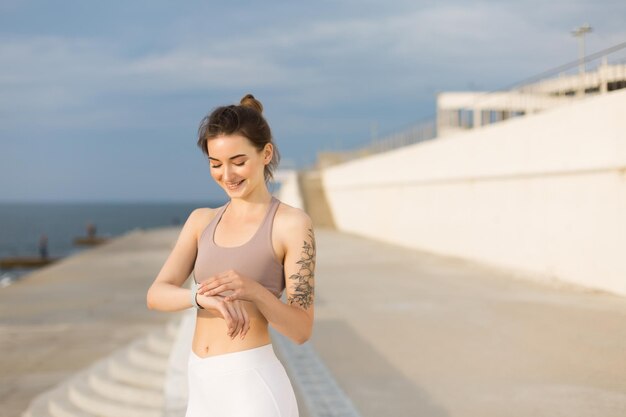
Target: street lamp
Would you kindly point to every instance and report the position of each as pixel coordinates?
(580, 34)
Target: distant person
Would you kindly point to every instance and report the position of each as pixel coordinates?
(43, 246)
(91, 230)
(243, 254)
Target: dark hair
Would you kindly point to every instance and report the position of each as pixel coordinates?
(245, 119)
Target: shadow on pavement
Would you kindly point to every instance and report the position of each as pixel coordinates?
(375, 386)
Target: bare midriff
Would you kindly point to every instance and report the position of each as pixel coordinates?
(211, 334)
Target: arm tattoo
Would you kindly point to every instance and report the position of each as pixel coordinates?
(304, 290)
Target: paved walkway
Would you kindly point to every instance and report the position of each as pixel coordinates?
(403, 333)
(407, 333)
(62, 318)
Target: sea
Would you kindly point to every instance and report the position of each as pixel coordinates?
(22, 225)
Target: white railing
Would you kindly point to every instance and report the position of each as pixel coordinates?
(535, 84)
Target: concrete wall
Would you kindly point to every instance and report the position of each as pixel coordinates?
(543, 194)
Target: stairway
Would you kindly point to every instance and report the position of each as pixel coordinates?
(314, 198)
(128, 383)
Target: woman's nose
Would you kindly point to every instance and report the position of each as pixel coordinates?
(227, 173)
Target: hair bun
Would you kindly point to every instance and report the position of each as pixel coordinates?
(249, 101)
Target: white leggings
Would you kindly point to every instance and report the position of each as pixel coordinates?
(248, 383)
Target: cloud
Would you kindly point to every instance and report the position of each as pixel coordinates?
(125, 83)
(328, 61)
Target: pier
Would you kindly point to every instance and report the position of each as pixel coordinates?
(401, 332)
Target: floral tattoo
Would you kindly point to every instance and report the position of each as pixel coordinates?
(304, 278)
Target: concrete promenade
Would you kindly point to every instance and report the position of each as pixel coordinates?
(407, 333)
(404, 333)
(62, 318)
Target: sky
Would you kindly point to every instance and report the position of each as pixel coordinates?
(101, 101)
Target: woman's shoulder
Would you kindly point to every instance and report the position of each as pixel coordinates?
(288, 216)
(200, 217)
(203, 212)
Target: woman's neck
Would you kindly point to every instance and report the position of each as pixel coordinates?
(250, 204)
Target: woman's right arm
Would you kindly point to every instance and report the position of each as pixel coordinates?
(166, 292)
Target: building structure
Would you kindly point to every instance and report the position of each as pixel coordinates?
(460, 111)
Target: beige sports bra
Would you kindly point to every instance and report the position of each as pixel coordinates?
(254, 259)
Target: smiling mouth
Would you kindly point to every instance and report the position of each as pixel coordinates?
(233, 186)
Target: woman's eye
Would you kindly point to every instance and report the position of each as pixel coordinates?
(217, 166)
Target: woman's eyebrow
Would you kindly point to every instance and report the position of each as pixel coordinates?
(232, 157)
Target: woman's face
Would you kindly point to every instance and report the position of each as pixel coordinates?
(236, 165)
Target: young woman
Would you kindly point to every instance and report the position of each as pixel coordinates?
(244, 255)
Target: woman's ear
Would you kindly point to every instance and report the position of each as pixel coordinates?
(267, 153)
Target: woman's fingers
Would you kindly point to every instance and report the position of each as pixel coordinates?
(240, 318)
(233, 296)
(209, 283)
(246, 325)
(244, 318)
(220, 283)
(235, 324)
(222, 307)
(219, 289)
(234, 314)
(212, 283)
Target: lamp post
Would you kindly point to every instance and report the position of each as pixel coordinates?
(580, 34)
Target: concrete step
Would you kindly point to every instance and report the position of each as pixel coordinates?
(121, 369)
(140, 355)
(127, 383)
(159, 343)
(61, 406)
(39, 406)
(88, 400)
(101, 382)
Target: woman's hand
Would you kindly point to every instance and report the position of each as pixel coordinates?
(233, 312)
(242, 288)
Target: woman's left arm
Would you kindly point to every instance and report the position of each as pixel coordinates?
(295, 318)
